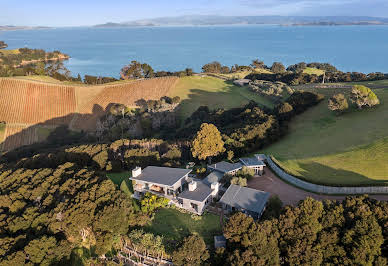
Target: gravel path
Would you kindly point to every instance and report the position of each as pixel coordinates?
(289, 194)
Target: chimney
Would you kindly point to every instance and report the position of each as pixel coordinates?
(215, 186)
(136, 172)
(192, 185)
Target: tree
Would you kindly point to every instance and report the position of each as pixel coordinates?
(213, 67)
(363, 97)
(238, 226)
(258, 64)
(278, 67)
(239, 181)
(338, 103)
(136, 70)
(3, 45)
(207, 143)
(40, 68)
(284, 111)
(192, 252)
(230, 155)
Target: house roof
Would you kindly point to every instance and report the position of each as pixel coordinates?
(201, 193)
(226, 167)
(161, 175)
(245, 198)
(214, 176)
(252, 161)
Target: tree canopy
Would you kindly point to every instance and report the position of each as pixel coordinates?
(278, 67)
(136, 70)
(208, 142)
(313, 233)
(192, 252)
(363, 97)
(338, 103)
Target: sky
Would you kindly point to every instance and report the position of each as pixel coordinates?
(91, 12)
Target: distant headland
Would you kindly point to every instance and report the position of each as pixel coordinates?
(201, 20)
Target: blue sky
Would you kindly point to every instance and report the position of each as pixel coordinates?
(90, 12)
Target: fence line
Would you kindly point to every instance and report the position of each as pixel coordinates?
(321, 189)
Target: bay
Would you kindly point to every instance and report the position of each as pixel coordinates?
(103, 51)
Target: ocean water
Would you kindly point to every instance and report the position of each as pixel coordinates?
(103, 51)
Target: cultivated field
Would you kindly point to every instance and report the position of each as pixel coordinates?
(330, 149)
(197, 91)
(27, 105)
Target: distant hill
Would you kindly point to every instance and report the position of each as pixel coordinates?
(241, 20)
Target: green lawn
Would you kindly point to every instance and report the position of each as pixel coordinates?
(197, 91)
(330, 149)
(313, 71)
(174, 225)
(118, 178)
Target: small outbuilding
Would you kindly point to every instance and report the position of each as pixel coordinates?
(219, 242)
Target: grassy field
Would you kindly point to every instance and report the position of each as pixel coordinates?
(347, 149)
(197, 91)
(8, 52)
(118, 178)
(313, 71)
(174, 225)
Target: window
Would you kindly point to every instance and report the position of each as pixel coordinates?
(194, 206)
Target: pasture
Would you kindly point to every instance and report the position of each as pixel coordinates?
(351, 149)
(313, 71)
(216, 93)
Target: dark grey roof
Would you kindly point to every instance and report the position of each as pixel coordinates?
(201, 193)
(245, 198)
(252, 161)
(225, 167)
(219, 241)
(162, 175)
(214, 176)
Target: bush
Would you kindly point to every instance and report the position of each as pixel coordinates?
(338, 103)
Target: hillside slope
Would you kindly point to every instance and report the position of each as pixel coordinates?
(349, 149)
(26, 105)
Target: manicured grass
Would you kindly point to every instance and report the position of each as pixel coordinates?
(347, 149)
(197, 91)
(118, 178)
(174, 225)
(313, 71)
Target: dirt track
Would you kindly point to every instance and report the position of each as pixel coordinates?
(289, 194)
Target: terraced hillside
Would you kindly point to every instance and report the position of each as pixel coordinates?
(26, 106)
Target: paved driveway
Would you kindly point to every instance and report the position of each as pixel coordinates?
(288, 194)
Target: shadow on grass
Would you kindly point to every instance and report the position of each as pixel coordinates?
(324, 175)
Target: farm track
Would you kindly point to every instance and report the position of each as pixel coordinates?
(26, 104)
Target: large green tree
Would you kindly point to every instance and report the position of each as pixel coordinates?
(207, 143)
(136, 70)
(192, 252)
(363, 97)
